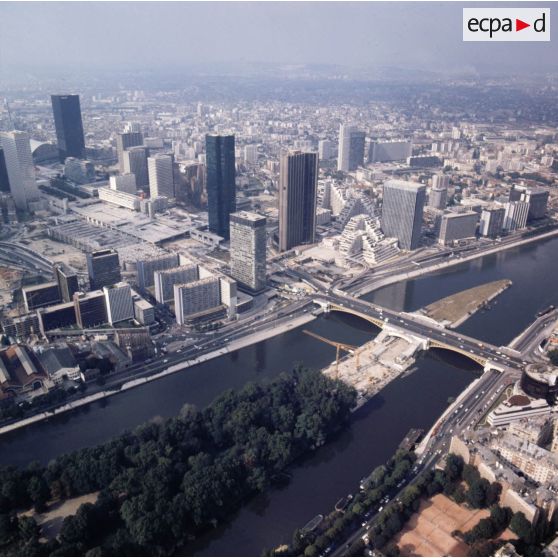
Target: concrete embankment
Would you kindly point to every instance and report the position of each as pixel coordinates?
(235, 345)
(372, 366)
(375, 285)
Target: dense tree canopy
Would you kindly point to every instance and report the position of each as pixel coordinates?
(167, 481)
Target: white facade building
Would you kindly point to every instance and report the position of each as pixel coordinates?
(161, 180)
(119, 303)
(248, 249)
(122, 199)
(19, 163)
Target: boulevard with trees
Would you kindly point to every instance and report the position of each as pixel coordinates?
(168, 481)
(459, 481)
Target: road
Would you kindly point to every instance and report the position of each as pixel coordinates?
(468, 411)
(426, 258)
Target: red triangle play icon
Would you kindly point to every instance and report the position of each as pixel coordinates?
(519, 25)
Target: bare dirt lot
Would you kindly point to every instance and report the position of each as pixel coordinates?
(51, 520)
(428, 532)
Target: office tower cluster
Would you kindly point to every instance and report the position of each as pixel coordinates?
(208, 296)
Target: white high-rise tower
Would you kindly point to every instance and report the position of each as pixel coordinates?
(161, 182)
(19, 164)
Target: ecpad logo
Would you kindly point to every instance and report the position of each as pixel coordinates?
(506, 24)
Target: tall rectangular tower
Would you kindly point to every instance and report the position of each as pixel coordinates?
(351, 148)
(104, 268)
(19, 167)
(161, 176)
(221, 186)
(4, 178)
(125, 141)
(402, 212)
(248, 250)
(298, 186)
(69, 126)
(119, 303)
(67, 282)
(135, 162)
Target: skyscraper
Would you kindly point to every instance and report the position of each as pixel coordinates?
(438, 197)
(351, 148)
(492, 221)
(68, 124)
(19, 166)
(298, 180)
(67, 282)
(402, 212)
(161, 175)
(125, 141)
(119, 303)
(221, 186)
(248, 250)
(4, 179)
(135, 162)
(103, 267)
(517, 213)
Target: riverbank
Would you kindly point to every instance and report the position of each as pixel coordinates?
(375, 285)
(235, 345)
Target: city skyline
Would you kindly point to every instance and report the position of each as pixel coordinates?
(277, 279)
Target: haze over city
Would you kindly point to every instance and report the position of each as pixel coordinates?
(166, 35)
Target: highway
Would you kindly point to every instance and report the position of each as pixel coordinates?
(11, 252)
(365, 281)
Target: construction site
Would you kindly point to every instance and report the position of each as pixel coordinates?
(370, 367)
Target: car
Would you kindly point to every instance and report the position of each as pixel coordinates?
(363, 524)
(165, 361)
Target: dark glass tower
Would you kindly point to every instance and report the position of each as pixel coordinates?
(298, 186)
(67, 282)
(68, 124)
(103, 267)
(221, 187)
(4, 180)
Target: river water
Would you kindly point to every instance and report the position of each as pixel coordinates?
(415, 400)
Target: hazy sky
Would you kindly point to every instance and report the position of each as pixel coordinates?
(156, 34)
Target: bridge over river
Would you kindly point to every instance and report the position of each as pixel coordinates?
(418, 327)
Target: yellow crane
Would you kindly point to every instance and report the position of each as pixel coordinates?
(339, 347)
